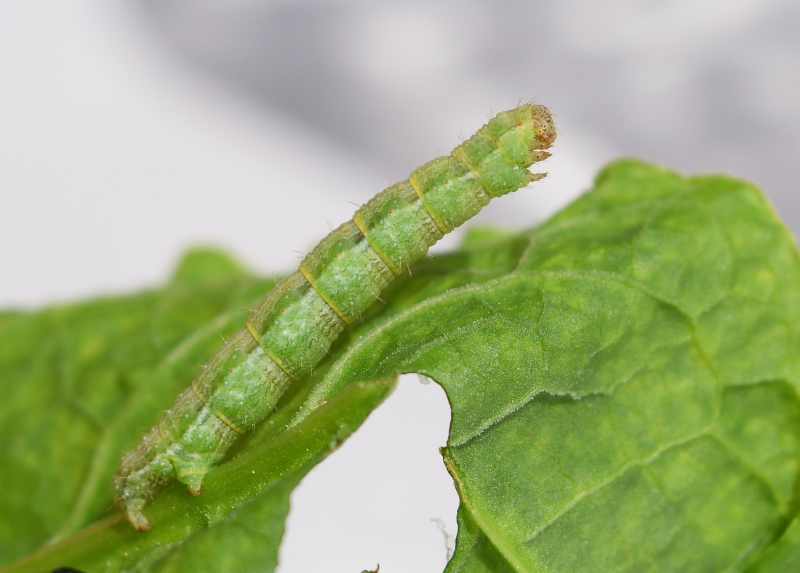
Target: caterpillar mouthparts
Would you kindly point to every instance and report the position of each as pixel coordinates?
(544, 128)
(296, 323)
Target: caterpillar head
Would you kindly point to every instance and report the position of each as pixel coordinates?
(535, 126)
(542, 129)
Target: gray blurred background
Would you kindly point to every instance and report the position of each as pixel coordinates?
(133, 129)
(130, 130)
(698, 86)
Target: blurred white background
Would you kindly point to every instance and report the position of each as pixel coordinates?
(130, 130)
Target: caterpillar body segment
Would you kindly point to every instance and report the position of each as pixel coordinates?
(346, 271)
(297, 322)
(403, 237)
(294, 326)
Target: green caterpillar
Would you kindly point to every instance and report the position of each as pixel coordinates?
(295, 325)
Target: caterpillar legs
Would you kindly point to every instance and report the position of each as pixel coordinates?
(193, 481)
(132, 501)
(137, 518)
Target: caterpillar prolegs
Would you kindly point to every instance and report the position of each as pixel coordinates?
(295, 325)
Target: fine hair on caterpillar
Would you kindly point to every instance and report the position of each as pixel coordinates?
(294, 326)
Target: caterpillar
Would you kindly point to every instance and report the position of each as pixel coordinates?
(296, 323)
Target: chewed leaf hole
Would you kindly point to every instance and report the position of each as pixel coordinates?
(383, 496)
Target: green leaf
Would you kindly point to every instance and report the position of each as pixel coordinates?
(237, 524)
(83, 382)
(204, 264)
(624, 394)
(783, 555)
(623, 383)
